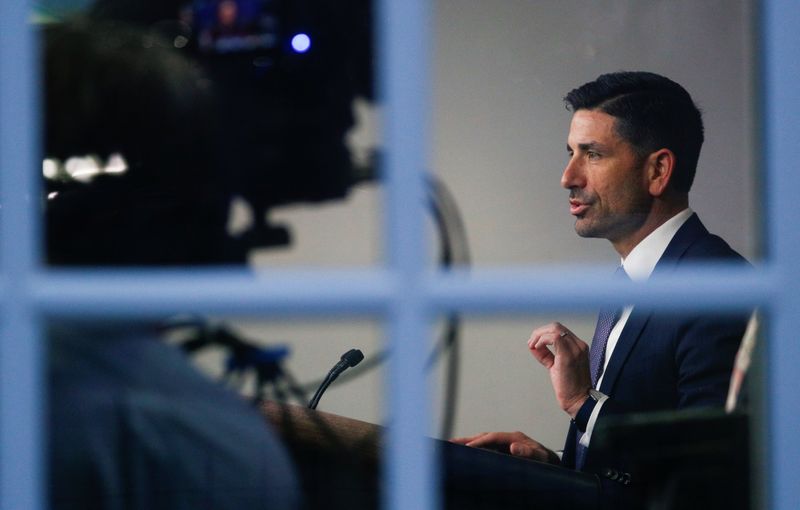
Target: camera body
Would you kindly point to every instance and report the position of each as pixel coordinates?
(206, 100)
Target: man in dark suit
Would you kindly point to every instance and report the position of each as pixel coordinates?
(633, 143)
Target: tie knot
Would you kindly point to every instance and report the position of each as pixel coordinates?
(620, 274)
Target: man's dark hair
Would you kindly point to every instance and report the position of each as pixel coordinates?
(652, 112)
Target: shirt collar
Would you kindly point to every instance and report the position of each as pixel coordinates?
(641, 261)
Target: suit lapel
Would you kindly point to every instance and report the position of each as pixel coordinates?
(684, 237)
(628, 338)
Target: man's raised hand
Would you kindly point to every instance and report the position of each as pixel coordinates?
(567, 362)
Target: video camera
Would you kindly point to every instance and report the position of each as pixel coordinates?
(282, 76)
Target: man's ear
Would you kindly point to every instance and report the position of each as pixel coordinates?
(660, 165)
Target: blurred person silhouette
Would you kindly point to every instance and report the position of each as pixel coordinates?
(257, 120)
(107, 93)
(131, 424)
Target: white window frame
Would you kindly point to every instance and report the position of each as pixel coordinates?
(401, 293)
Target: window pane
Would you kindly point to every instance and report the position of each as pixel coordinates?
(501, 70)
(180, 132)
(132, 420)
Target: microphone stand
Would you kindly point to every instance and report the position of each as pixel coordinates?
(349, 359)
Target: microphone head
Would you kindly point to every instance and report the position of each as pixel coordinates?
(352, 357)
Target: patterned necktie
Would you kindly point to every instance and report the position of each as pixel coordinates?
(605, 323)
(597, 353)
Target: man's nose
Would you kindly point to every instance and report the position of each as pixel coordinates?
(573, 175)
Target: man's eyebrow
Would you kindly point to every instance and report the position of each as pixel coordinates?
(590, 146)
(587, 146)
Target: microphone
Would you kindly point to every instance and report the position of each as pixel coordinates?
(349, 359)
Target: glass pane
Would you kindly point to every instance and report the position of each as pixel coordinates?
(188, 131)
(663, 428)
(132, 421)
(496, 367)
(335, 448)
(501, 70)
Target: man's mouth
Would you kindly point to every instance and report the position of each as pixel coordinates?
(577, 208)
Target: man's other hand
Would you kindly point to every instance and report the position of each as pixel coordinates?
(514, 443)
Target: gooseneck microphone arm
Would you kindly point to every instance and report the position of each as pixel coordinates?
(349, 359)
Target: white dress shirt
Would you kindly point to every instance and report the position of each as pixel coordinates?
(639, 265)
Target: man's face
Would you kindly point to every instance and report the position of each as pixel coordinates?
(607, 183)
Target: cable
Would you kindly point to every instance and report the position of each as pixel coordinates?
(453, 250)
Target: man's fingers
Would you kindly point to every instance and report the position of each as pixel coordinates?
(555, 335)
(468, 439)
(562, 340)
(552, 334)
(521, 450)
(491, 440)
(515, 443)
(484, 441)
(555, 339)
(528, 451)
(543, 355)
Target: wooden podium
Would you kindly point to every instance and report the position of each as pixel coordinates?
(339, 463)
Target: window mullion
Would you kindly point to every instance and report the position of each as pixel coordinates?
(21, 390)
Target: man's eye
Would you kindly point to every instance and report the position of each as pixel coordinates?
(592, 155)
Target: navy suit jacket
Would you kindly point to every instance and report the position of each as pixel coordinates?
(666, 361)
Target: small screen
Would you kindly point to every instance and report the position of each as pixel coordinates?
(232, 26)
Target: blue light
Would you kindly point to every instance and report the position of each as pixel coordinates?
(301, 43)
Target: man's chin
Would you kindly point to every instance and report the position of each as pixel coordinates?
(585, 229)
